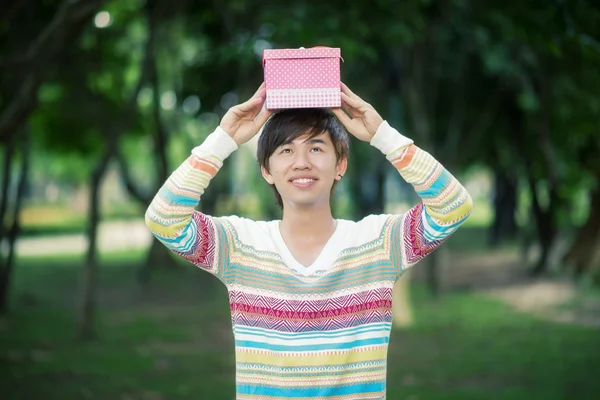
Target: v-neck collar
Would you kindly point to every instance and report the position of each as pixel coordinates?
(324, 260)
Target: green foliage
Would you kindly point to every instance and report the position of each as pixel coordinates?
(510, 86)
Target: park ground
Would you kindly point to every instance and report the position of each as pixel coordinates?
(494, 334)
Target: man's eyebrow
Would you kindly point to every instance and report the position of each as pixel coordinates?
(307, 141)
(314, 140)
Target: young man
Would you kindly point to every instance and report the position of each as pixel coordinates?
(310, 295)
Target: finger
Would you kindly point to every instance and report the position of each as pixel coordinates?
(359, 103)
(348, 92)
(261, 92)
(342, 116)
(255, 102)
(354, 103)
(347, 109)
(250, 105)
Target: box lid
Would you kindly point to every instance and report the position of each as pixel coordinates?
(313, 52)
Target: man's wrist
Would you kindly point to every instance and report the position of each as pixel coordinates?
(388, 140)
(218, 144)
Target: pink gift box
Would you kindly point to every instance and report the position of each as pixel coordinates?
(302, 78)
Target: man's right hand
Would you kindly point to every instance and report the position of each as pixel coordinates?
(244, 121)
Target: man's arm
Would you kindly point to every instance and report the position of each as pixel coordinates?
(172, 217)
(445, 204)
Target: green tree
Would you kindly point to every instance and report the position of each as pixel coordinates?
(34, 40)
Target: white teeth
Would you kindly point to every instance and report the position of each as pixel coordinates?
(301, 181)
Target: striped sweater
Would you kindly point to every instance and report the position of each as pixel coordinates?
(317, 332)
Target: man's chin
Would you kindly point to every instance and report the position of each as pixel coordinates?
(307, 203)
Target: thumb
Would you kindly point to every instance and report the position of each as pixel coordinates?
(250, 104)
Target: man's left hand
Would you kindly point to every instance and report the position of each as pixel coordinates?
(358, 116)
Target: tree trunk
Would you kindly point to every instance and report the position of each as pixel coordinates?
(372, 195)
(86, 316)
(6, 174)
(546, 240)
(546, 219)
(421, 94)
(160, 136)
(433, 268)
(112, 132)
(353, 177)
(7, 270)
(545, 226)
(158, 255)
(366, 181)
(504, 225)
(402, 306)
(584, 254)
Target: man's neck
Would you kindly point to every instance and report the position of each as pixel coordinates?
(309, 223)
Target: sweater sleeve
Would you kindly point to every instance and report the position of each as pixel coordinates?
(172, 216)
(445, 203)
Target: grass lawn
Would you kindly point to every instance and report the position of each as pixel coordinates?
(49, 219)
(173, 340)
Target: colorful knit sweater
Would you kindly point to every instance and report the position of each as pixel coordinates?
(317, 332)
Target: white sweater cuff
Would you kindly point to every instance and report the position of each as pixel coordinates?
(388, 140)
(218, 144)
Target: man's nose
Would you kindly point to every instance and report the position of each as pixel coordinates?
(301, 161)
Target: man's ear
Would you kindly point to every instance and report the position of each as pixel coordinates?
(341, 167)
(266, 175)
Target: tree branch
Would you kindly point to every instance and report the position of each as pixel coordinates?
(13, 9)
(148, 73)
(415, 87)
(9, 152)
(69, 12)
(67, 23)
(131, 187)
(160, 137)
(226, 17)
(548, 153)
(456, 124)
(483, 122)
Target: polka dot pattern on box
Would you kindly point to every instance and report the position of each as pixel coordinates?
(302, 78)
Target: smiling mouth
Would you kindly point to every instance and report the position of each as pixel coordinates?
(303, 181)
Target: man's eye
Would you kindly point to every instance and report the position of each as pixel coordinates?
(286, 151)
(315, 149)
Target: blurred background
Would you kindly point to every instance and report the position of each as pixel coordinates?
(100, 100)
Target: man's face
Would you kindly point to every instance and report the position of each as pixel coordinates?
(303, 170)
